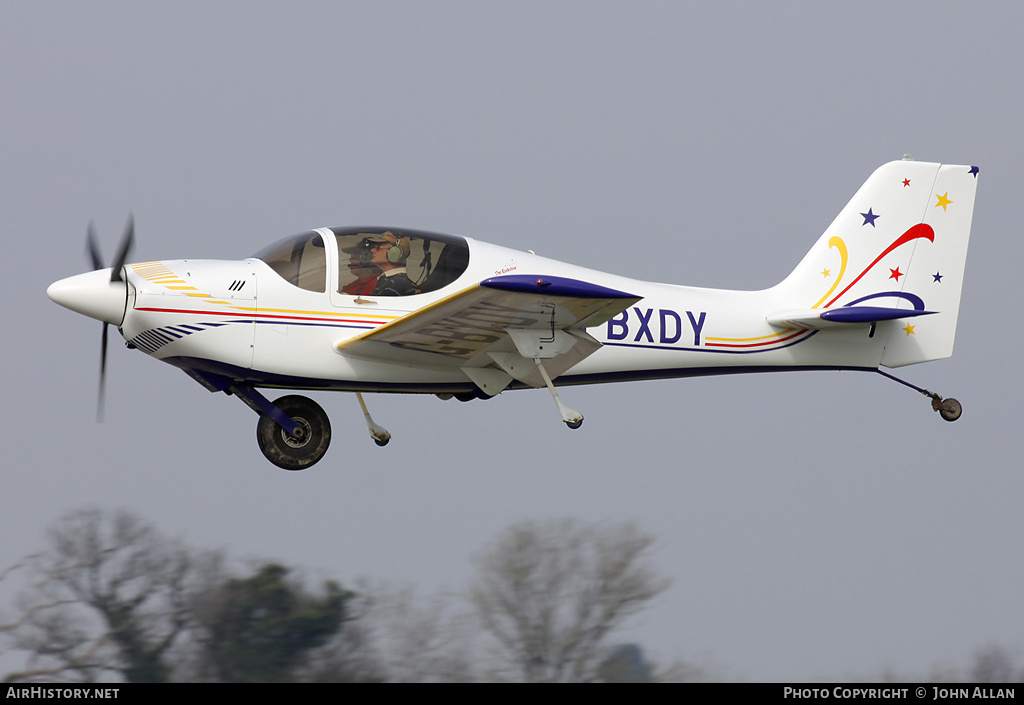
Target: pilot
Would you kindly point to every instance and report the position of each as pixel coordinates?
(362, 268)
(389, 253)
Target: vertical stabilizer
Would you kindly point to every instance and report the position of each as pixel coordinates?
(899, 244)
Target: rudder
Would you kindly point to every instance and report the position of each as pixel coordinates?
(936, 271)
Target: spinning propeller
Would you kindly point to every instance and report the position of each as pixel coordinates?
(93, 249)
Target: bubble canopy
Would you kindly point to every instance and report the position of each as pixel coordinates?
(430, 261)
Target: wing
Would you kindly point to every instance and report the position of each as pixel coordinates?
(494, 330)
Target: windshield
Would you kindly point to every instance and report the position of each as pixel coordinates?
(299, 259)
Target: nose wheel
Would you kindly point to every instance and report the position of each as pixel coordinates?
(303, 447)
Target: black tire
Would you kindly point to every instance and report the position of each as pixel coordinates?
(950, 409)
(290, 452)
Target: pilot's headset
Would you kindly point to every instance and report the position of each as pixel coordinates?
(399, 248)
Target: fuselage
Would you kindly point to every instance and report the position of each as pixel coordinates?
(272, 325)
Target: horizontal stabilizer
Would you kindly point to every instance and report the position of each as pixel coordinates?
(844, 316)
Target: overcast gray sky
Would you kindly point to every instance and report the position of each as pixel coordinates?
(815, 525)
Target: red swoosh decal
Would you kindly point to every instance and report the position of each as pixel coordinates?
(917, 231)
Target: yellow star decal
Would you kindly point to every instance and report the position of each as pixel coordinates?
(826, 273)
(909, 329)
(943, 201)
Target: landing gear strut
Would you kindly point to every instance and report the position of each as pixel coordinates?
(303, 447)
(572, 418)
(379, 434)
(949, 409)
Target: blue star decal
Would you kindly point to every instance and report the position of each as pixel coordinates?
(869, 217)
(937, 277)
(974, 171)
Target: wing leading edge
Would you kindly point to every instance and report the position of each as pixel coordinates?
(494, 330)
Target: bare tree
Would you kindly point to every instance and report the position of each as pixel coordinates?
(9, 625)
(34, 609)
(420, 640)
(993, 664)
(551, 593)
(110, 598)
(351, 656)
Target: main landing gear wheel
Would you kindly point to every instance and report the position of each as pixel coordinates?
(950, 409)
(302, 450)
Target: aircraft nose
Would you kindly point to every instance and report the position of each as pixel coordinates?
(92, 294)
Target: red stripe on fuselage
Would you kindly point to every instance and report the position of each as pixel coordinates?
(754, 345)
(258, 315)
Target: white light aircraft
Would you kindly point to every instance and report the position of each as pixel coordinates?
(372, 309)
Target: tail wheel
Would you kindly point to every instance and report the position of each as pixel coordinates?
(302, 450)
(950, 409)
